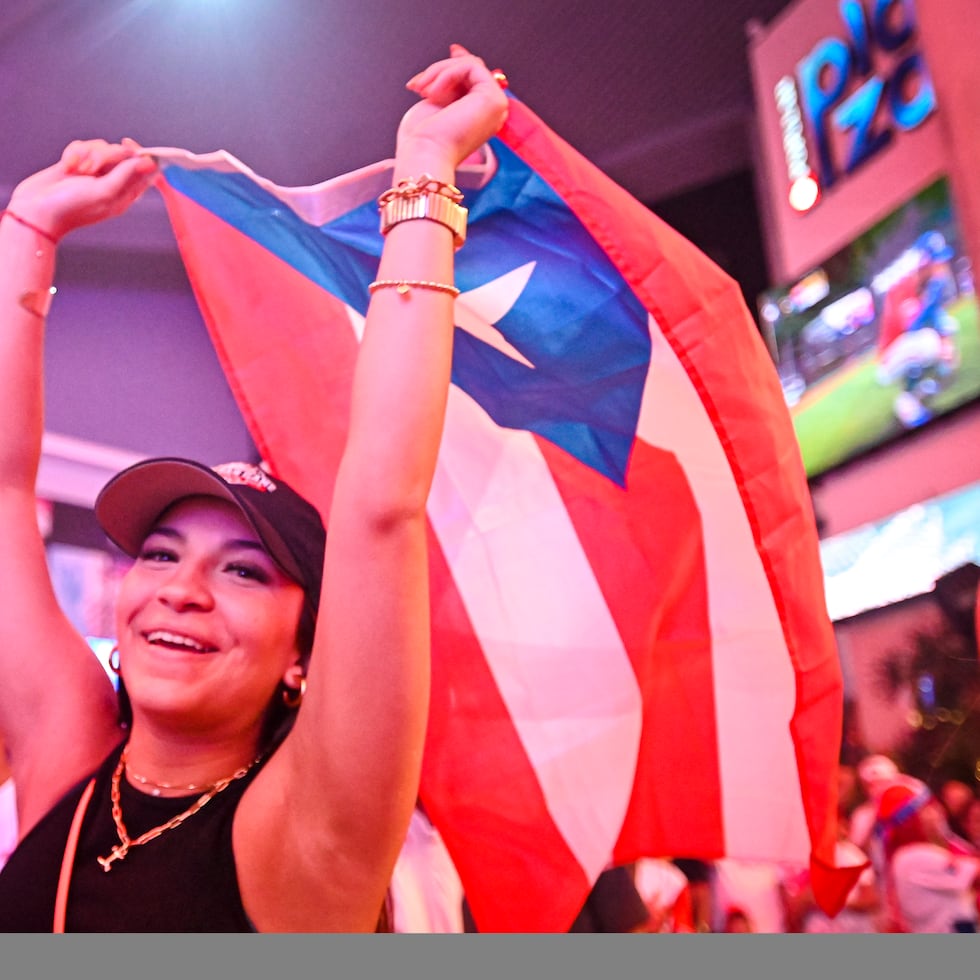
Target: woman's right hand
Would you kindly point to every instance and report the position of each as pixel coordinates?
(92, 181)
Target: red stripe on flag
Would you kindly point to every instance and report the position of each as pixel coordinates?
(272, 326)
(645, 547)
(480, 789)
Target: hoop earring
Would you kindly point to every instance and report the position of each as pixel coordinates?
(114, 659)
(292, 697)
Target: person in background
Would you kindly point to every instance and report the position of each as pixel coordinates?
(850, 794)
(971, 824)
(667, 894)
(971, 828)
(426, 893)
(956, 796)
(240, 783)
(928, 886)
(737, 920)
(613, 904)
(699, 876)
(875, 773)
(862, 907)
(756, 887)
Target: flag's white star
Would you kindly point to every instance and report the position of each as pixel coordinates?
(479, 309)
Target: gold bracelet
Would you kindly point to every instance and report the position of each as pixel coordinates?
(428, 205)
(423, 184)
(405, 286)
(37, 301)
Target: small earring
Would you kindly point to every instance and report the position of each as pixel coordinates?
(292, 697)
(114, 660)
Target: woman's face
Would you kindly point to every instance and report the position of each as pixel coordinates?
(206, 621)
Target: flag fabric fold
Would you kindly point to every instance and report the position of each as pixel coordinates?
(631, 650)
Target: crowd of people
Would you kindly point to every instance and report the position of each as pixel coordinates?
(920, 847)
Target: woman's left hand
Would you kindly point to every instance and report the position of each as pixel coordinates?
(462, 105)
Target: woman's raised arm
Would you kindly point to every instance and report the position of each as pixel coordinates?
(348, 773)
(57, 709)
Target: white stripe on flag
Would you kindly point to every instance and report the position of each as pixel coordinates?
(753, 676)
(547, 634)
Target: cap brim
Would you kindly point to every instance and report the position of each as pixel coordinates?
(132, 501)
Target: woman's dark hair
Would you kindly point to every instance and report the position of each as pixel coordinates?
(280, 717)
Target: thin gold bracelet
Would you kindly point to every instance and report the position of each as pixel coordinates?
(404, 286)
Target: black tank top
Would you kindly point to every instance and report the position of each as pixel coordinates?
(182, 881)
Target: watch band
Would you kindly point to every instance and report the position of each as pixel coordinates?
(434, 207)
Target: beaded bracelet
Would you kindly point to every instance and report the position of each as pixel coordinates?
(404, 286)
(7, 213)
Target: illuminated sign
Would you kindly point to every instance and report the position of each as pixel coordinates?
(804, 188)
(851, 94)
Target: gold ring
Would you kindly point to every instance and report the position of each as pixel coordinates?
(500, 78)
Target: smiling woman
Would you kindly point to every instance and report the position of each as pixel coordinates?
(254, 774)
(201, 613)
(261, 545)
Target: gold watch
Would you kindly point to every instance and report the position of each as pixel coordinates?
(433, 207)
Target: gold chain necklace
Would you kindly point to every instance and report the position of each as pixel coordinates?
(156, 789)
(120, 850)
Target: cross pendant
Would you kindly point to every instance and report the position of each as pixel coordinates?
(117, 854)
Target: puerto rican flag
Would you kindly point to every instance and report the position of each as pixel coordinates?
(631, 650)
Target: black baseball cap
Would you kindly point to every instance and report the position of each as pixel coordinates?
(288, 525)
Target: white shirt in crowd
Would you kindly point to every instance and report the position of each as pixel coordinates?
(933, 887)
(754, 887)
(427, 895)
